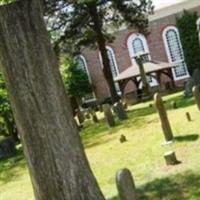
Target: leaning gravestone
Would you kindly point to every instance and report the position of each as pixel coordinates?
(108, 115)
(125, 185)
(7, 148)
(196, 93)
(120, 111)
(163, 118)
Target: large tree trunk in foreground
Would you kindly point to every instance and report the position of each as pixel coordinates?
(57, 163)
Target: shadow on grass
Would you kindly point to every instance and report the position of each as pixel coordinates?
(187, 138)
(10, 168)
(178, 187)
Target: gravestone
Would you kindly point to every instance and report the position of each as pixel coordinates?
(108, 115)
(87, 115)
(120, 111)
(196, 93)
(123, 138)
(125, 185)
(188, 87)
(80, 116)
(170, 158)
(7, 148)
(163, 117)
(94, 116)
(174, 105)
(188, 116)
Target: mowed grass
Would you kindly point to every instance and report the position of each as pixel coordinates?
(142, 154)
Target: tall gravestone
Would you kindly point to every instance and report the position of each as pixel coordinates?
(125, 185)
(196, 93)
(163, 117)
(120, 111)
(108, 115)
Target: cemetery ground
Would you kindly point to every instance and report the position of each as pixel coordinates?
(142, 154)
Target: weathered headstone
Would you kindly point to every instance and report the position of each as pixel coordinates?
(174, 105)
(188, 116)
(87, 115)
(125, 105)
(119, 110)
(94, 116)
(188, 87)
(7, 148)
(196, 93)
(80, 116)
(170, 158)
(108, 115)
(123, 138)
(163, 117)
(125, 185)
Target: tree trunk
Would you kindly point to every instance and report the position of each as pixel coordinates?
(57, 163)
(102, 48)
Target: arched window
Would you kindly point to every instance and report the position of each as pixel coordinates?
(137, 44)
(113, 65)
(83, 65)
(175, 52)
(198, 27)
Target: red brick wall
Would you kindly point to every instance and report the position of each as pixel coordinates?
(119, 46)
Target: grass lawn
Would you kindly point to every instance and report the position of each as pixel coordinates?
(142, 154)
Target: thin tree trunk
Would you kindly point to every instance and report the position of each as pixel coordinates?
(102, 47)
(57, 163)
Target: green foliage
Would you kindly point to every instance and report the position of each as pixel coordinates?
(7, 124)
(6, 1)
(72, 25)
(75, 79)
(186, 24)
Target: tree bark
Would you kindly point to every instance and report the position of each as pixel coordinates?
(57, 163)
(102, 48)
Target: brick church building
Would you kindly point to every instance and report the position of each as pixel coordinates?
(162, 44)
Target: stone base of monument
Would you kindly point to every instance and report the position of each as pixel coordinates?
(170, 158)
(167, 143)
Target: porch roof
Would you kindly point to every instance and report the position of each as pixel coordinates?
(149, 67)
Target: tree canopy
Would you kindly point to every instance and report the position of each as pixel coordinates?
(71, 22)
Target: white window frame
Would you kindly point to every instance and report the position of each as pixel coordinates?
(198, 27)
(169, 55)
(132, 54)
(198, 24)
(116, 66)
(89, 77)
